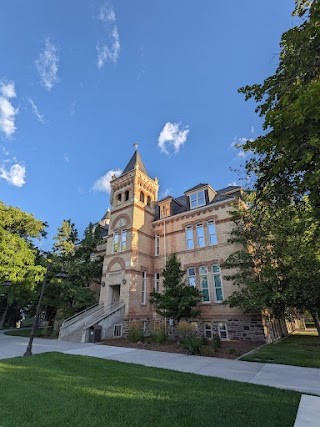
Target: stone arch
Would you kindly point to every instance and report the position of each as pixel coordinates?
(116, 260)
(125, 217)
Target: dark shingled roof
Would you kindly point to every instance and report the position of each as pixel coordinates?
(182, 204)
(136, 158)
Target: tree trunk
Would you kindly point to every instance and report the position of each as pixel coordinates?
(4, 315)
(315, 317)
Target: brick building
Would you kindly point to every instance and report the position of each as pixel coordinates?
(140, 232)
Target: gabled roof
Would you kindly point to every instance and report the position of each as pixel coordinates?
(136, 158)
(196, 187)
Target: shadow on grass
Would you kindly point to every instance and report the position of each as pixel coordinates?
(55, 389)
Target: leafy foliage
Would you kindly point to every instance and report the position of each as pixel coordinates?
(286, 157)
(178, 299)
(18, 259)
(82, 267)
(277, 266)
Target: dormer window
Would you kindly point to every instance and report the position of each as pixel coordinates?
(165, 210)
(197, 199)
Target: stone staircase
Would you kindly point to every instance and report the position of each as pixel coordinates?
(75, 328)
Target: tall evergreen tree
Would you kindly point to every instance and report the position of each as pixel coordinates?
(178, 300)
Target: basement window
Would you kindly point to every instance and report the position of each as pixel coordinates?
(117, 331)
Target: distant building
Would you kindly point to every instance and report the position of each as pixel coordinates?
(140, 232)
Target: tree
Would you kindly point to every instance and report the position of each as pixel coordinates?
(285, 159)
(277, 265)
(66, 239)
(81, 266)
(18, 256)
(178, 299)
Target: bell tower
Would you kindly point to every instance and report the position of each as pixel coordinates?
(128, 264)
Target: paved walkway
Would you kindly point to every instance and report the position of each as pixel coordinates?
(303, 380)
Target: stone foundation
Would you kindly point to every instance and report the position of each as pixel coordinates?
(250, 329)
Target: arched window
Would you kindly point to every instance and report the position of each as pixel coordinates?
(119, 197)
(141, 196)
(148, 200)
(126, 195)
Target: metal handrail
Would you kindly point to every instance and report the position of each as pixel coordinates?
(79, 314)
(99, 312)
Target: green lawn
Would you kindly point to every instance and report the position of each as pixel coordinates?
(298, 350)
(40, 333)
(54, 390)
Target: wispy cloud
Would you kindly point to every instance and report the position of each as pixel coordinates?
(47, 64)
(237, 144)
(172, 136)
(103, 183)
(7, 110)
(166, 192)
(109, 50)
(73, 108)
(252, 129)
(36, 111)
(66, 158)
(15, 175)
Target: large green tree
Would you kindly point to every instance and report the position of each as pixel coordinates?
(277, 265)
(82, 267)
(18, 257)
(285, 159)
(178, 300)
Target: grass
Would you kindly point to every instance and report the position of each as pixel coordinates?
(297, 350)
(40, 333)
(54, 389)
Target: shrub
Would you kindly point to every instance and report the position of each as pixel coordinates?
(191, 342)
(216, 343)
(135, 333)
(158, 337)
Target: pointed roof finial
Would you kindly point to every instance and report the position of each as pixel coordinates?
(135, 145)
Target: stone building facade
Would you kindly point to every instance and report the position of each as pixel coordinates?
(142, 231)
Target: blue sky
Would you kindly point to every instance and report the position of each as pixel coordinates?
(82, 80)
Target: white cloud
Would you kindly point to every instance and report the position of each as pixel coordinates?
(36, 111)
(107, 14)
(237, 144)
(7, 110)
(66, 158)
(252, 129)
(5, 151)
(47, 65)
(103, 183)
(234, 184)
(16, 175)
(8, 90)
(109, 50)
(172, 135)
(166, 192)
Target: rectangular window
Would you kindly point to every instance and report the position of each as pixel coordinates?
(123, 240)
(164, 210)
(217, 283)
(157, 282)
(115, 242)
(189, 237)
(212, 233)
(223, 331)
(157, 245)
(197, 199)
(144, 287)
(203, 271)
(200, 236)
(207, 330)
(117, 331)
(192, 276)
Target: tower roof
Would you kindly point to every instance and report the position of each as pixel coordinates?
(136, 158)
